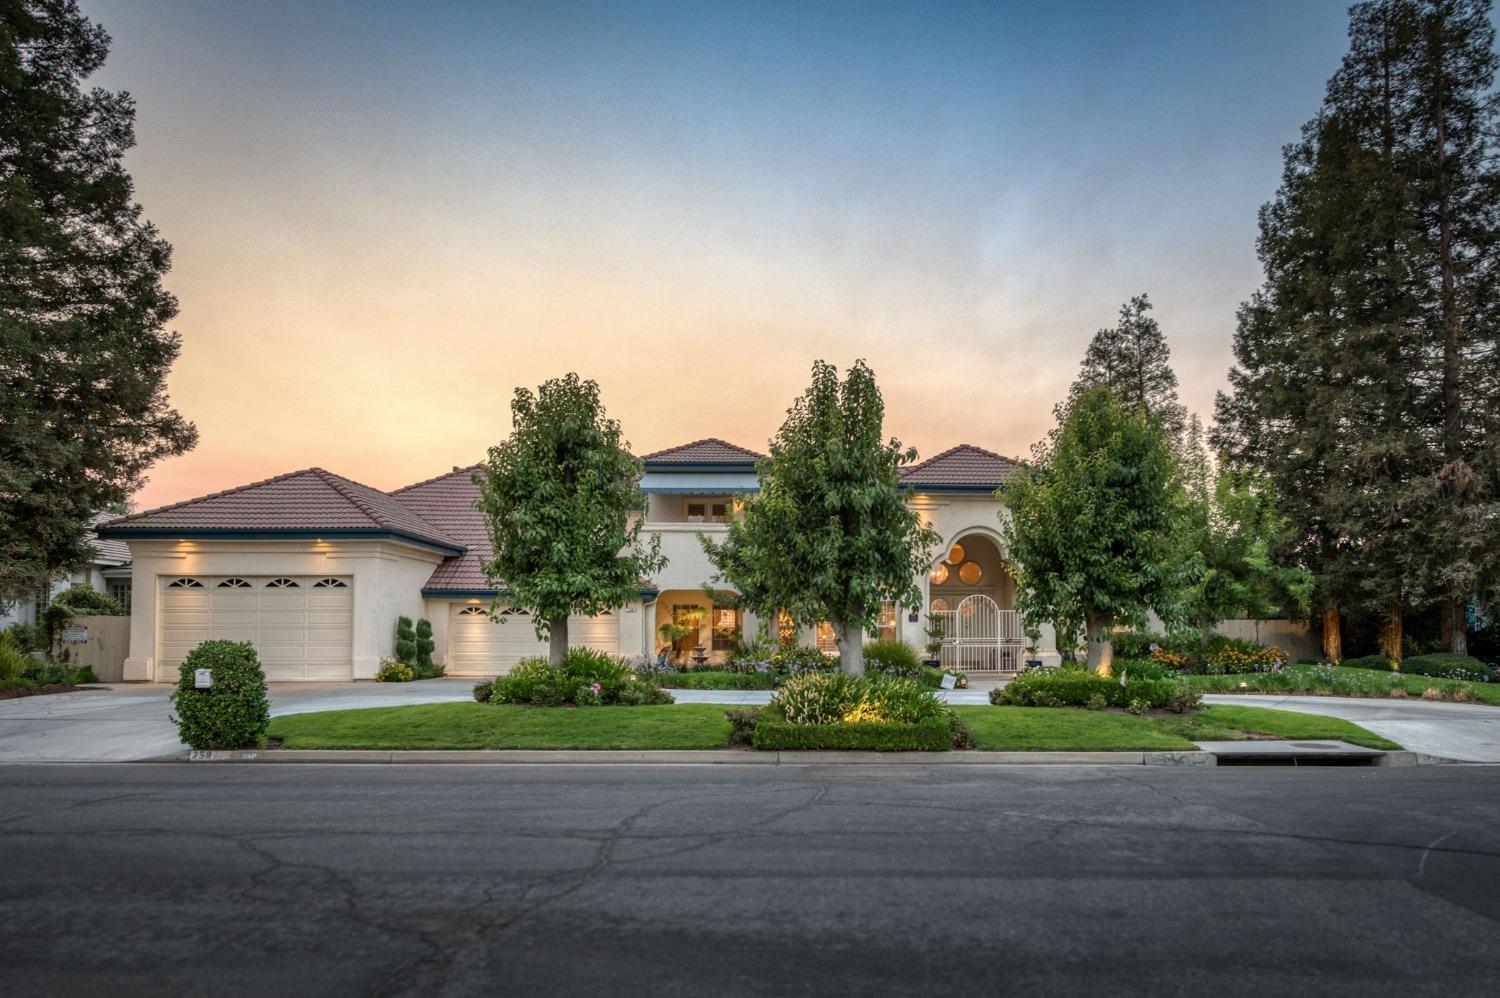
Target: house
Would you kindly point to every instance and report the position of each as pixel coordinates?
(314, 568)
(107, 571)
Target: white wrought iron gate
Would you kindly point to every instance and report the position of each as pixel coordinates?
(978, 636)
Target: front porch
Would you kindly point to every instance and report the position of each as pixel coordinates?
(971, 609)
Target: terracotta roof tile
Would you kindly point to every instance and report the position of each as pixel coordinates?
(710, 450)
(448, 502)
(964, 466)
(312, 499)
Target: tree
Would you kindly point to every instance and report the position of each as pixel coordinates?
(84, 349)
(558, 497)
(1133, 361)
(1366, 382)
(829, 536)
(1097, 528)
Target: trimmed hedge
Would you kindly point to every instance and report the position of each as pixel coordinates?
(933, 734)
(234, 712)
(1078, 688)
(717, 680)
(1446, 665)
(1381, 662)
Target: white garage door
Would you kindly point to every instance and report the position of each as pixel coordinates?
(480, 646)
(302, 627)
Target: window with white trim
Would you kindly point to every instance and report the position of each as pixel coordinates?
(185, 584)
(282, 584)
(234, 584)
(120, 593)
(471, 611)
(330, 584)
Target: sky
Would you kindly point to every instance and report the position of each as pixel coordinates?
(387, 216)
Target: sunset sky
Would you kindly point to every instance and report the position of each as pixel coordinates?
(388, 215)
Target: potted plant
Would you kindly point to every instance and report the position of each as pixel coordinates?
(1033, 636)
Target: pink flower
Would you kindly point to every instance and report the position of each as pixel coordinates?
(595, 688)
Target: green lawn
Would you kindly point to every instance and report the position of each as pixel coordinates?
(1066, 729)
(493, 726)
(1340, 681)
(1234, 723)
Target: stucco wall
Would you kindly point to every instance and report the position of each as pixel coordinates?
(387, 579)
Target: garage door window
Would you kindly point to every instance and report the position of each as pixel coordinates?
(471, 611)
(330, 584)
(185, 584)
(281, 584)
(234, 584)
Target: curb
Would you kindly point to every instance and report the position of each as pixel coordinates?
(721, 757)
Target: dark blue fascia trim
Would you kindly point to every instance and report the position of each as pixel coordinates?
(456, 594)
(737, 468)
(338, 534)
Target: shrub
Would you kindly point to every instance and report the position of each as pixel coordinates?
(79, 676)
(1135, 644)
(1231, 656)
(715, 679)
(406, 641)
(816, 698)
(651, 665)
(1097, 702)
(742, 722)
(962, 738)
(587, 678)
(423, 651)
(1055, 687)
(27, 637)
(234, 711)
(483, 689)
(13, 660)
(893, 658)
(392, 671)
(794, 660)
(1380, 662)
(933, 734)
(1445, 665)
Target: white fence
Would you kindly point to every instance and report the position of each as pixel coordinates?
(978, 636)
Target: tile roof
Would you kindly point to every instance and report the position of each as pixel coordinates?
(108, 552)
(962, 467)
(710, 450)
(312, 499)
(448, 502)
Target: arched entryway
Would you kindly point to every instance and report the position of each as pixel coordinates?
(971, 597)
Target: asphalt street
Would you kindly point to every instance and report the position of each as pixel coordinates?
(225, 880)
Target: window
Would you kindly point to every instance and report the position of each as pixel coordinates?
(471, 611)
(185, 584)
(720, 512)
(120, 593)
(330, 584)
(786, 628)
(940, 605)
(885, 629)
(234, 584)
(726, 628)
(826, 643)
(281, 584)
(695, 512)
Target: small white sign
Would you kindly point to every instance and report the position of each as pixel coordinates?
(75, 635)
(950, 681)
(203, 679)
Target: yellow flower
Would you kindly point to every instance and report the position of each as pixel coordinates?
(864, 713)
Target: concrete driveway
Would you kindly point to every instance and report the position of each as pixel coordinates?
(126, 722)
(121, 722)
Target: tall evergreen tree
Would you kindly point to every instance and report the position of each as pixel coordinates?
(1132, 360)
(84, 349)
(1347, 357)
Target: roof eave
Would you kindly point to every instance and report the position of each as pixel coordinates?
(701, 467)
(276, 534)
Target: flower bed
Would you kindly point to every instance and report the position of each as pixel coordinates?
(587, 679)
(822, 710)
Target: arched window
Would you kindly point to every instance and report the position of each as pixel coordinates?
(185, 584)
(330, 584)
(234, 584)
(510, 612)
(281, 584)
(471, 611)
(940, 605)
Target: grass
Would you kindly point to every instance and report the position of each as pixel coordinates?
(1066, 729)
(1219, 723)
(495, 726)
(718, 679)
(1344, 681)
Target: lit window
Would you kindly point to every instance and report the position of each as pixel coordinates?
(940, 605)
(956, 554)
(886, 630)
(786, 628)
(971, 573)
(938, 575)
(826, 643)
(726, 628)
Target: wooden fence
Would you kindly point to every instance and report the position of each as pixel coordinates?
(101, 643)
(1299, 639)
